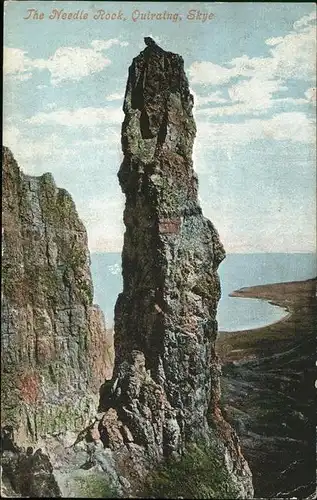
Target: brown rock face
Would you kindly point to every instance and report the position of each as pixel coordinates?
(165, 388)
(31, 475)
(54, 349)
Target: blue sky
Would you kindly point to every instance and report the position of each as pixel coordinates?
(251, 68)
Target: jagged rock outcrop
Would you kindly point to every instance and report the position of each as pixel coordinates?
(165, 389)
(28, 474)
(53, 340)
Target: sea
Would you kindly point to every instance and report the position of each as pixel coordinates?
(236, 271)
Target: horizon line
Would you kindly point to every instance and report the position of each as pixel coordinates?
(306, 252)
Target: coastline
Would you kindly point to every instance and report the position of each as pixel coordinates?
(283, 318)
(295, 297)
(268, 392)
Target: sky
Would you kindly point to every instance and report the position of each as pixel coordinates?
(251, 69)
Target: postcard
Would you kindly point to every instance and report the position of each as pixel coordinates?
(157, 156)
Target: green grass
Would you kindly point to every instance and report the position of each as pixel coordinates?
(199, 473)
(96, 487)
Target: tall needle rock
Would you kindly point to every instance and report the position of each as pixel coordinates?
(165, 389)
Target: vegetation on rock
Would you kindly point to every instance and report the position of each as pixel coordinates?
(199, 473)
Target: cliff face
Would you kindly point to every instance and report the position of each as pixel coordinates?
(53, 339)
(165, 389)
(163, 398)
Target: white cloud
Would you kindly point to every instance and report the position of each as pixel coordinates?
(110, 140)
(107, 44)
(291, 56)
(51, 105)
(82, 117)
(305, 22)
(206, 72)
(248, 96)
(291, 100)
(72, 63)
(310, 95)
(67, 63)
(215, 97)
(253, 97)
(11, 137)
(229, 110)
(111, 209)
(114, 97)
(15, 61)
(23, 77)
(255, 90)
(293, 126)
(30, 153)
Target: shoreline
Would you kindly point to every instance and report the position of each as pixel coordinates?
(268, 390)
(247, 293)
(251, 329)
(295, 297)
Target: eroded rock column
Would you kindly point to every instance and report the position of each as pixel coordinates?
(165, 389)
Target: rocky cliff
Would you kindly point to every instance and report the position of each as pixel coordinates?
(162, 404)
(53, 340)
(165, 390)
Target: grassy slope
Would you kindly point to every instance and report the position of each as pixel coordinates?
(268, 390)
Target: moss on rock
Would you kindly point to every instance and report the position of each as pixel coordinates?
(199, 473)
(95, 486)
